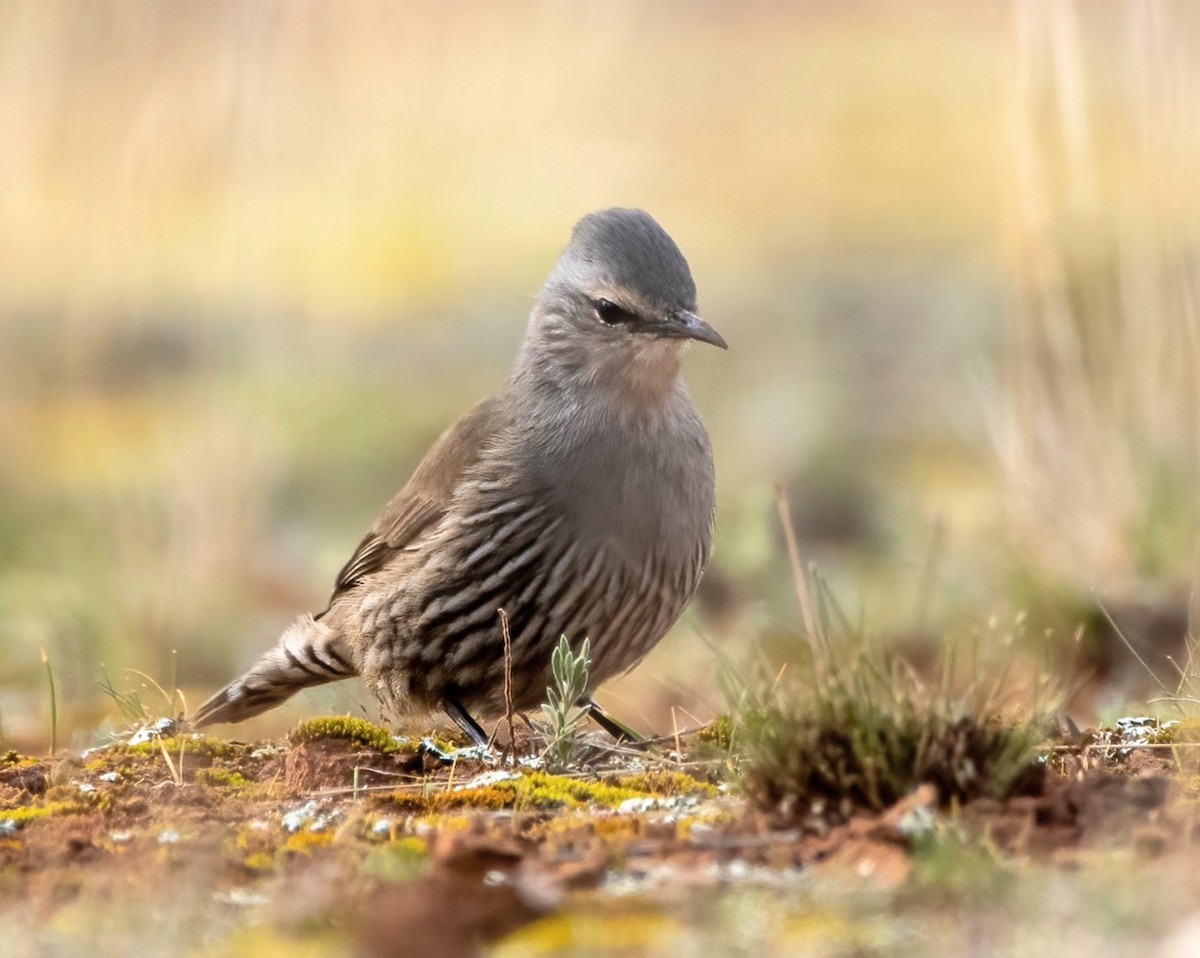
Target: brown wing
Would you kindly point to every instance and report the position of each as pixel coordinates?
(425, 497)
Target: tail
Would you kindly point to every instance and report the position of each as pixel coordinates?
(308, 654)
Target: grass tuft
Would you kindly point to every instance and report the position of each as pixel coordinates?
(854, 728)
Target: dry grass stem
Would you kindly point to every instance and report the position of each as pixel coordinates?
(799, 578)
(508, 700)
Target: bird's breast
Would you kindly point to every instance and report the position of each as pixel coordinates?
(641, 488)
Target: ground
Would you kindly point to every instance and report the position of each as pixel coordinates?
(344, 837)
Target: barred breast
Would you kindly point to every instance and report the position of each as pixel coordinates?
(514, 545)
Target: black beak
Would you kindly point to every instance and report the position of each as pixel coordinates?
(684, 325)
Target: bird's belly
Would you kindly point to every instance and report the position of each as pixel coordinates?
(446, 639)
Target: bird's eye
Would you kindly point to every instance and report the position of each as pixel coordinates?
(611, 314)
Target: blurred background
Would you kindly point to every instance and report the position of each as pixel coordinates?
(255, 257)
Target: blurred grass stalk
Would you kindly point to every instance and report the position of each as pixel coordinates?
(53, 703)
(1098, 427)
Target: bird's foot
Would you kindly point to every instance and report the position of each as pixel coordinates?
(617, 729)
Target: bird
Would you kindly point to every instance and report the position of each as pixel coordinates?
(579, 500)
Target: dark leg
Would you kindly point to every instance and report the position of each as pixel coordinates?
(618, 730)
(462, 718)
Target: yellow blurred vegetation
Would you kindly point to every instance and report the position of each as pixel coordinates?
(253, 257)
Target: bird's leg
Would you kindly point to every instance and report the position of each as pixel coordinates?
(462, 718)
(618, 730)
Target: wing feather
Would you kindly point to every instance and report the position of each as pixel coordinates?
(424, 499)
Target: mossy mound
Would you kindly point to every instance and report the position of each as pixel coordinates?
(345, 728)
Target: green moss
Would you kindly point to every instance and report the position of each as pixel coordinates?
(665, 782)
(1184, 732)
(202, 746)
(70, 794)
(222, 778)
(251, 842)
(408, 802)
(397, 861)
(959, 868)
(540, 790)
(346, 728)
(30, 813)
(446, 822)
(13, 759)
(1184, 736)
(718, 733)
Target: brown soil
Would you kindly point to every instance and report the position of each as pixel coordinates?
(351, 841)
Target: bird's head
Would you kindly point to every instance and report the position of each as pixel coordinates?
(620, 293)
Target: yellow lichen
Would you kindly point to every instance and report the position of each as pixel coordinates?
(535, 790)
(305, 842)
(99, 766)
(268, 941)
(632, 933)
(29, 813)
(255, 847)
(445, 823)
(618, 827)
(258, 862)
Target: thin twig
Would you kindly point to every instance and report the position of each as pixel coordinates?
(176, 773)
(508, 700)
(170, 699)
(1129, 645)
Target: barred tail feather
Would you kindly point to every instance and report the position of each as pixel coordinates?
(308, 654)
